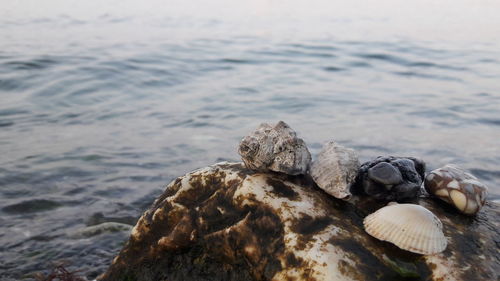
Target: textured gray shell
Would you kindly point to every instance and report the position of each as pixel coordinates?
(275, 148)
(335, 169)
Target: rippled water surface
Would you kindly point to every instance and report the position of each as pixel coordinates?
(101, 106)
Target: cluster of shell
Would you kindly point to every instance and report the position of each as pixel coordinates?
(337, 171)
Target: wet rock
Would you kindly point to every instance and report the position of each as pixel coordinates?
(226, 222)
(390, 178)
(335, 169)
(455, 186)
(275, 148)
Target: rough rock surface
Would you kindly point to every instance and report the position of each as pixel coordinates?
(275, 148)
(391, 178)
(335, 169)
(226, 222)
(455, 186)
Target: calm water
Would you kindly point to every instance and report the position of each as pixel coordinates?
(102, 104)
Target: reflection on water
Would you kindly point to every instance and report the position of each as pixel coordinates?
(101, 108)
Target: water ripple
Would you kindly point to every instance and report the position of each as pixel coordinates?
(333, 69)
(33, 64)
(31, 206)
(427, 76)
(494, 122)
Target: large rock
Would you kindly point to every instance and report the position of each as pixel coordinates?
(226, 222)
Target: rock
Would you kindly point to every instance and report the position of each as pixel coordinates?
(226, 222)
(390, 178)
(385, 173)
(455, 186)
(335, 170)
(275, 149)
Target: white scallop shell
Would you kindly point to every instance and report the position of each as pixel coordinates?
(410, 227)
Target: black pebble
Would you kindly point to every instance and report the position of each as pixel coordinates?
(390, 178)
(385, 173)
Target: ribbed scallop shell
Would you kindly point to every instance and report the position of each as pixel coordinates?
(410, 227)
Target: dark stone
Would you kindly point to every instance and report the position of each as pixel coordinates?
(385, 173)
(408, 168)
(408, 190)
(390, 178)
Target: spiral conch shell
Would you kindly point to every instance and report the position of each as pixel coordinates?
(410, 227)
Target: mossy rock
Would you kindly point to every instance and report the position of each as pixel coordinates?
(225, 222)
